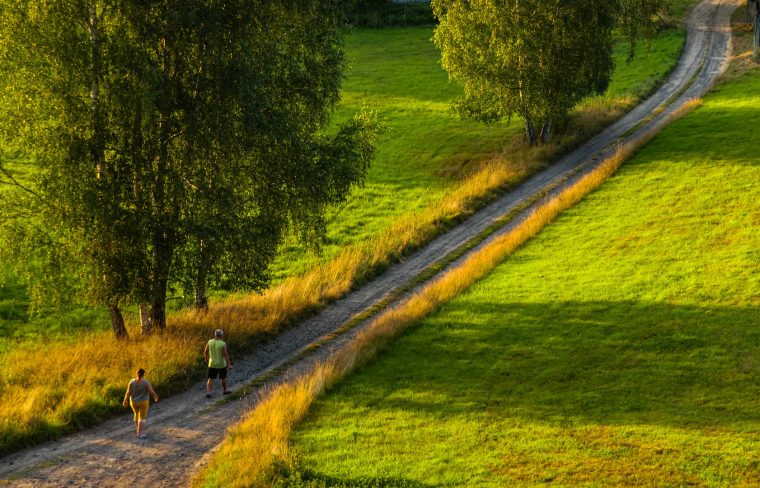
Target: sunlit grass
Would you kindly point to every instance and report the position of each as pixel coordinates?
(618, 348)
(260, 443)
(426, 148)
(262, 440)
(57, 387)
(432, 170)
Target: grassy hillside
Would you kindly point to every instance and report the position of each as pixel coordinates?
(619, 347)
(442, 178)
(427, 149)
(426, 153)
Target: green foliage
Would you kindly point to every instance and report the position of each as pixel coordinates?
(170, 137)
(533, 58)
(618, 347)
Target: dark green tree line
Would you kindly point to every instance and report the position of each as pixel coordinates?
(177, 142)
(534, 58)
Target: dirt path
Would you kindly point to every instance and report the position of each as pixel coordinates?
(184, 429)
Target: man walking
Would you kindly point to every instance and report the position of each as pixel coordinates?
(218, 360)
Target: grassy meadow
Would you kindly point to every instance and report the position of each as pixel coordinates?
(427, 158)
(431, 169)
(427, 150)
(619, 347)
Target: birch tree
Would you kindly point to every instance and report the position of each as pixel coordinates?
(535, 59)
(175, 141)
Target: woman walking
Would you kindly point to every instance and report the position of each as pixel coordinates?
(137, 396)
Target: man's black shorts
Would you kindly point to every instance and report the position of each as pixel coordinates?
(214, 373)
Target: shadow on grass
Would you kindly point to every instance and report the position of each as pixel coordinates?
(478, 370)
(312, 479)
(704, 136)
(601, 362)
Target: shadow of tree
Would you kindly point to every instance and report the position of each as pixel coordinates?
(602, 361)
(577, 369)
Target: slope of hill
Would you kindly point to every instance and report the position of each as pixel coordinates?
(425, 153)
(619, 347)
(99, 454)
(48, 412)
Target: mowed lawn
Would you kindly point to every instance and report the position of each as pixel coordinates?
(619, 346)
(426, 148)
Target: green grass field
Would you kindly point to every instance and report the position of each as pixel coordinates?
(62, 340)
(424, 152)
(426, 147)
(16, 325)
(621, 346)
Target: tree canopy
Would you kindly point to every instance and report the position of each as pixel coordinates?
(533, 58)
(177, 142)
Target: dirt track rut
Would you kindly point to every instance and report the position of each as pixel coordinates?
(184, 429)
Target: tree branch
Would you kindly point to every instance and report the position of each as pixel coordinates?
(15, 182)
(176, 134)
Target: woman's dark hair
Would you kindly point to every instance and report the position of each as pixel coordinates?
(140, 373)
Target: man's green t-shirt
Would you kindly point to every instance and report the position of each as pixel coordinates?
(216, 354)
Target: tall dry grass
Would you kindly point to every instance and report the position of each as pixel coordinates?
(58, 387)
(255, 447)
(54, 388)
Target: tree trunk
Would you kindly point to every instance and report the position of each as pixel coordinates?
(98, 139)
(163, 232)
(158, 312)
(117, 322)
(146, 324)
(97, 142)
(201, 300)
(751, 11)
(530, 131)
(546, 131)
(159, 280)
(756, 32)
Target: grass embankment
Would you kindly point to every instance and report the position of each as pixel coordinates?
(35, 403)
(619, 347)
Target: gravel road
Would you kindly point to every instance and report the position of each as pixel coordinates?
(184, 429)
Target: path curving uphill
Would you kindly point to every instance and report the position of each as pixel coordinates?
(186, 428)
